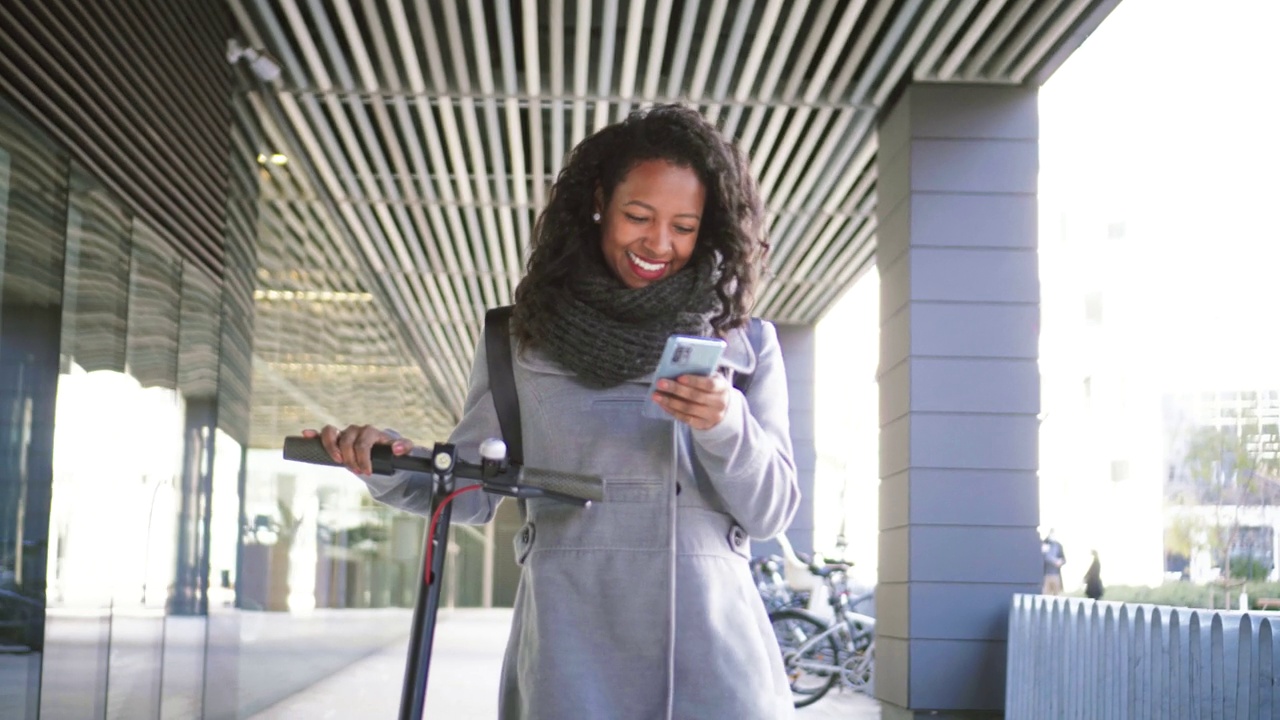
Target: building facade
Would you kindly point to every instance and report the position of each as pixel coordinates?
(223, 222)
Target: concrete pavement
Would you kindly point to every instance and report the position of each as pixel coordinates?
(464, 680)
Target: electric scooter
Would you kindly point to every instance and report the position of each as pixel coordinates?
(495, 475)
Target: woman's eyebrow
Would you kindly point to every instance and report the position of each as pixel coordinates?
(652, 209)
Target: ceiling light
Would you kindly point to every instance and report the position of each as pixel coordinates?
(320, 296)
(273, 158)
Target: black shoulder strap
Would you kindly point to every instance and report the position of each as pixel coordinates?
(755, 336)
(502, 379)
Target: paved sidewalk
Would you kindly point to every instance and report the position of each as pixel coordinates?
(464, 680)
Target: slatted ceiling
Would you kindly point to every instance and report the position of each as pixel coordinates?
(108, 98)
(324, 352)
(1009, 40)
(235, 340)
(425, 135)
(152, 353)
(339, 355)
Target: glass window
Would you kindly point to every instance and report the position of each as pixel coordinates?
(185, 625)
(148, 448)
(32, 220)
(221, 697)
(86, 490)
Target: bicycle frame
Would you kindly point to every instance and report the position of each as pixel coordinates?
(847, 632)
(850, 634)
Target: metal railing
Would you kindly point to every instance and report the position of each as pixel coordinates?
(1076, 658)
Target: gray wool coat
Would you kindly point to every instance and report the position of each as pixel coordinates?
(640, 607)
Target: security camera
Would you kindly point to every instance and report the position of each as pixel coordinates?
(260, 61)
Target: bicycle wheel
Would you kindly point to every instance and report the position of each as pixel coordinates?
(858, 671)
(811, 669)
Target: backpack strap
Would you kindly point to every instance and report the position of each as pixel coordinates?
(502, 379)
(755, 336)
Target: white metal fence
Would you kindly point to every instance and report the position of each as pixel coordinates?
(1072, 658)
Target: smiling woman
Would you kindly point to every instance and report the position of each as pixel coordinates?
(638, 203)
(653, 229)
(650, 226)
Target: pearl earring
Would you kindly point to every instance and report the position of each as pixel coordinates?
(595, 216)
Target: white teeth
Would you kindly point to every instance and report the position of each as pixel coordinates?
(644, 264)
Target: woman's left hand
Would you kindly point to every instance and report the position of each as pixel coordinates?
(700, 402)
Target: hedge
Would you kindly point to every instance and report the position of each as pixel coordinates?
(1186, 594)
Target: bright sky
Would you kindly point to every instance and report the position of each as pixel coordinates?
(1167, 120)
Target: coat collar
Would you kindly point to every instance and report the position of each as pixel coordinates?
(738, 357)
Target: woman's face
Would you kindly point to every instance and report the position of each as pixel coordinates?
(650, 225)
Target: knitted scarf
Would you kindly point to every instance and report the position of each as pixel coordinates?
(608, 333)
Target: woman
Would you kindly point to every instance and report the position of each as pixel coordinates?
(641, 606)
(1093, 579)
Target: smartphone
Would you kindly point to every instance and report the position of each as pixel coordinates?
(683, 355)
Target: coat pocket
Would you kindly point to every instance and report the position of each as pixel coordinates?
(523, 542)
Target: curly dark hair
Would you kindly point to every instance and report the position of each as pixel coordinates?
(566, 239)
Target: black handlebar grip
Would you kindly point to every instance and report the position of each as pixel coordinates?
(586, 487)
(307, 450)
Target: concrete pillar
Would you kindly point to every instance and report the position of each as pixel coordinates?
(798, 353)
(959, 393)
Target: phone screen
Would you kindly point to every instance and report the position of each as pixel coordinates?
(683, 355)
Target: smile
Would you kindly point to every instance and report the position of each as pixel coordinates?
(645, 268)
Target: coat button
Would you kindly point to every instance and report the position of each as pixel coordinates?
(524, 535)
(678, 488)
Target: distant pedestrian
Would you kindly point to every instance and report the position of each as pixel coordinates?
(1054, 558)
(1093, 579)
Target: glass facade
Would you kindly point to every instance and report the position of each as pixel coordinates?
(152, 563)
(33, 214)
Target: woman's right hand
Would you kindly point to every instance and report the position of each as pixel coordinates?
(353, 446)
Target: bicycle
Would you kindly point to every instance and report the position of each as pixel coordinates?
(774, 590)
(816, 654)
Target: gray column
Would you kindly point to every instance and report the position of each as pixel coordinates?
(959, 393)
(798, 353)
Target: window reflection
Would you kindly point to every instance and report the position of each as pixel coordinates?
(319, 559)
(313, 538)
(222, 659)
(185, 625)
(32, 218)
(148, 437)
(139, 510)
(117, 454)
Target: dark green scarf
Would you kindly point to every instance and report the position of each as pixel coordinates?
(608, 333)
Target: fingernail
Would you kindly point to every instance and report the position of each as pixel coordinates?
(664, 384)
(397, 447)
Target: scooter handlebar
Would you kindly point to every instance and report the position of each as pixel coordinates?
(585, 487)
(554, 482)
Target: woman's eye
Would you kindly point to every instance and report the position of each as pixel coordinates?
(685, 230)
(634, 218)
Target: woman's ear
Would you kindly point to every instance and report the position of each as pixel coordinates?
(597, 205)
